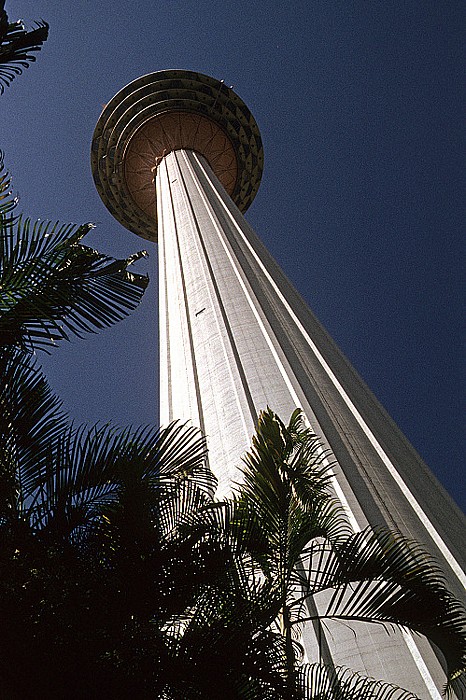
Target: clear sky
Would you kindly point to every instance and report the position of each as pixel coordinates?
(361, 201)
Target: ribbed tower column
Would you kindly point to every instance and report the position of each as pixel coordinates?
(182, 149)
(236, 337)
(206, 380)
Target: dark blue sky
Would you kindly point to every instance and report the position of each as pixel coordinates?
(361, 202)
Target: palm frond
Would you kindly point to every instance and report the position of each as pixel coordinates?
(182, 451)
(17, 46)
(380, 576)
(302, 539)
(223, 649)
(52, 286)
(90, 469)
(31, 422)
(322, 682)
(285, 491)
(286, 466)
(8, 201)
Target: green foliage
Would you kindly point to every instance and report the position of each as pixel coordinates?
(7, 199)
(113, 551)
(92, 555)
(52, 286)
(328, 683)
(305, 548)
(17, 46)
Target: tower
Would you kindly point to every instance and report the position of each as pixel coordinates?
(177, 157)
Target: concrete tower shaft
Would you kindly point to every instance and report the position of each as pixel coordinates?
(235, 336)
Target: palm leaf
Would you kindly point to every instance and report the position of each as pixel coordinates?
(53, 286)
(89, 470)
(321, 682)
(31, 421)
(302, 540)
(223, 649)
(380, 576)
(285, 492)
(17, 46)
(221, 643)
(8, 201)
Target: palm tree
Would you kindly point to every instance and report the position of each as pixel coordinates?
(305, 551)
(51, 285)
(94, 562)
(17, 46)
(75, 503)
(239, 639)
(92, 557)
(113, 551)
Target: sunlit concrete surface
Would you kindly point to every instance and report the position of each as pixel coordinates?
(235, 337)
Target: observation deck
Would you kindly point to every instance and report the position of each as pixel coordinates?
(163, 112)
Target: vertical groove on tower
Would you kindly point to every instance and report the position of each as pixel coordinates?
(202, 424)
(244, 382)
(165, 381)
